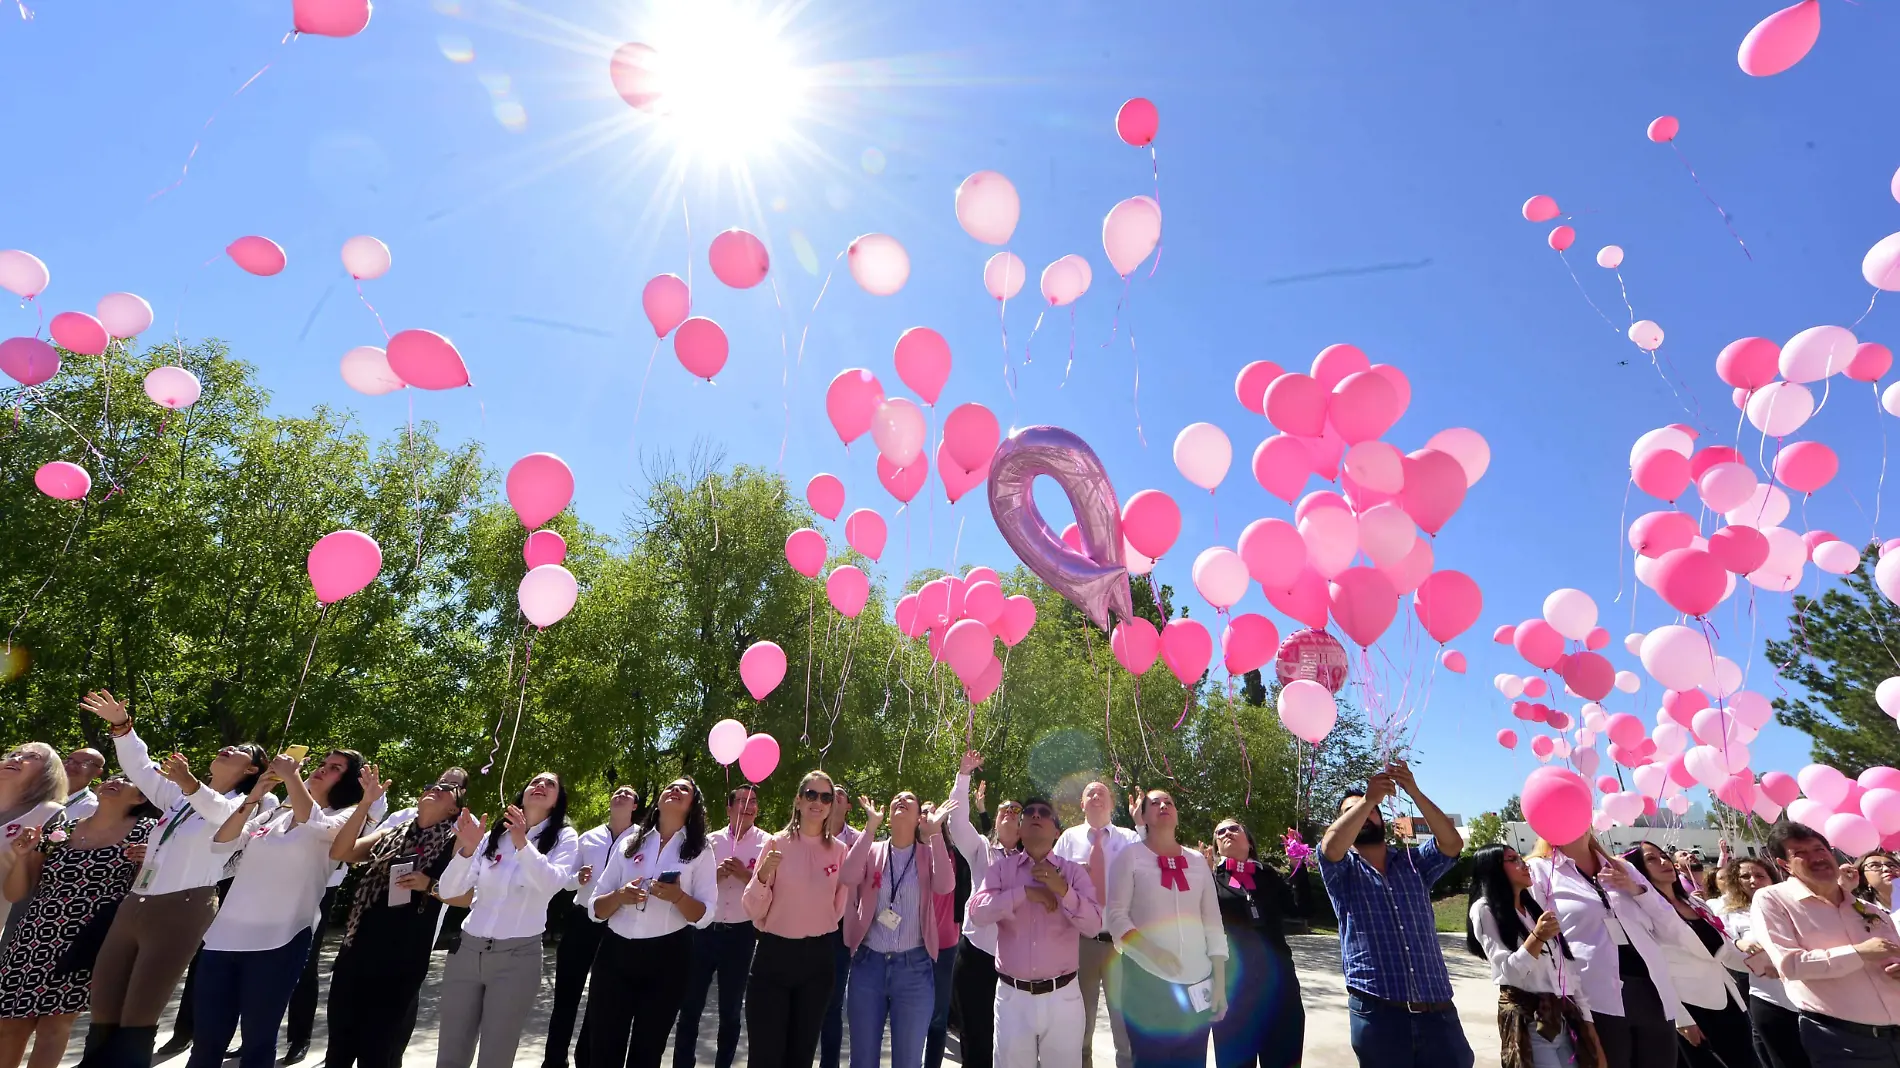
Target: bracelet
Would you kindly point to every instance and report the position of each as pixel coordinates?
(121, 728)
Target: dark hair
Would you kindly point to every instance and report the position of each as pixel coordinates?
(259, 760)
(1253, 847)
(144, 810)
(557, 819)
(1670, 888)
(733, 794)
(1055, 816)
(348, 789)
(695, 824)
(1782, 833)
(1491, 884)
(1349, 795)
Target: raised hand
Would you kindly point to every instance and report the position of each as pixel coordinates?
(468, 832)
(285, 767)
(981, 789)
(768, 863)
(178, 770)
(873, 815)
(101, 703)
(934, 824)
(516, 821)
(1380, 787)
(972, 760)
(1207, 851)
(27, 842)
(373, 788)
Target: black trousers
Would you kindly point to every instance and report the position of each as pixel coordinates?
(1265, 1023)
(1642, 1037)
(636, 997)
(1777, 1035)
(302, 1018)
(786, 997)
(1839, 1048)
(573, 960)
(973, 1002)
(723, 950)
(373, 990)
(1726, 1034)
(832, 1034)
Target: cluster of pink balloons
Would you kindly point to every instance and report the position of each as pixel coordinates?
(961, 618)
(756, 754)
(540, 486)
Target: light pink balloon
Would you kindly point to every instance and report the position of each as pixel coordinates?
(127, 315)
(1332, 539)
(330, 18)
(258, 255)
(1187, 649)
(1363, 406)
(1678, 657)
(1137, 122)
(1304, 598)
(738, 258)
(28, 360)
(1646, 334)
(851, 402)
(1363, 603)
(1019, 616)
(1386, 534)
(366, 370)
(903, 482)
(1466, 446)
(805, 551)
(1507, 738)
(341, 563)
(426, 360)
(1434, 488)
(547, 594)
(701, 346)
(1135, 643)
(1202, 454)
(1004, 275)
(1610, 257)
(760, 757)
(667, 302)
(1540, 208)
(632, 71)
(1250, 385)
(897, 426)
(539, 487)
(1282, 464)
(1151, 521)
(847, 588)
(971, 432)
(1064, 281)
(1273, 551)
(79, 333)
(1453, 660)
(967, 648)
(1561, 238)
(1307, 710)
(825, 494)
(1726, 486)
(1248, 642)
(983, 601)
(1663, 129)
(1297, 403)
(1780, 40)
(1377, 466)
(62, 481)
(1836, 558)
(864, 531)
(958, 480)
(988, 207)
(172, 387)
(1817, 352)
(22, 273)
(878, 264)
(1851, 832)
(1221, 576)
(1780, 408)
(1130, 231)
(1447, 604)
(1407, 576)
(726, 740)
(365, 257)
(1871, 360)
(923, 362)
(544, 547)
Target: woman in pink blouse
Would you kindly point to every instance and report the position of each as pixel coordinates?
(795, 899)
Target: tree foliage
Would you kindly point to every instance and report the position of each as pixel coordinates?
(1486, 830)
(1837, 651)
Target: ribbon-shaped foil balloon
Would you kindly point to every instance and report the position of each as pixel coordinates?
(1094, 579)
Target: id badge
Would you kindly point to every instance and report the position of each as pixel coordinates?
(1617, 934)
(147, 877)
(890, 919)
(1253, 910)
(1201, 995)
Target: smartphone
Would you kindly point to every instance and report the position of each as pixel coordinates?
(296, 752)
(669, 877)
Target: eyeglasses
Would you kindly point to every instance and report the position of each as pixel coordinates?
(445, 787)
(21, 754)
(818, 795)
(1880, 866)
(1043, 811)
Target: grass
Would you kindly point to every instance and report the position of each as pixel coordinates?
(1450, 913)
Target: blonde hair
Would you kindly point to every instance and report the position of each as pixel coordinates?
(824, 829)
(51, 783)
(1543, 849)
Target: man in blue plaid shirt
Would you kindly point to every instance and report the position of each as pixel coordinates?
(1396, 983)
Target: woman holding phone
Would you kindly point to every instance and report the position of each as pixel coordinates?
(795, 899)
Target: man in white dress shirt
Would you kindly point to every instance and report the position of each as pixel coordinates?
(83, 768)
(1093, 845)
(724, 946)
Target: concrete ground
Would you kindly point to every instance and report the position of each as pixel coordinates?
(1328, 1038)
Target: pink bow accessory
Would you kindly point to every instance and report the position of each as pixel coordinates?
(1174, 872)
(1240, 873)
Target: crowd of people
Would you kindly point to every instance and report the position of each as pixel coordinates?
(1015, 931)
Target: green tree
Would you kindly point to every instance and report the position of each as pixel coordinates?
(1837, 651)
(1487, 829)
(1513, 810)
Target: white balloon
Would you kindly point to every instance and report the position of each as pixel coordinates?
(1647, 335)
(988, 207)
(1610, 257)
(1571, 612)
(1881, 265)
(1627, 682)
(1065, 280)
(1887, 696)
(1633, 643)
(365, 257)
(1202, 454)
(879, 264)
(1780, 408)
(1663, 437)
(1817, 352)
(1221, 576)
(1764, 509)
(366, 370)
(1004, 275)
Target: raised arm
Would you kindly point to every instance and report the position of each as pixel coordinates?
(351, 845)
(857, 861)
(1444, 831)
(1339, 835)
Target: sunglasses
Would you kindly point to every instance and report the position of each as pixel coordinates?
(445, 787)
(818, 795)
(1034, 811)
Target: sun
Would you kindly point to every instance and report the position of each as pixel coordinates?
(717, 77)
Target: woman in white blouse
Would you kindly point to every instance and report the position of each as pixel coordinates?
(1543, 1013)
(492, 978)
(664, 883)
(254, 951)
(1165, 919)
(32, 789)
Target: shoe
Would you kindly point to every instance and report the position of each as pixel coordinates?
(297, 1052)
(233, 1053)
(176, 1044)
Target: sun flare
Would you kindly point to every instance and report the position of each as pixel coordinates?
(719, 81)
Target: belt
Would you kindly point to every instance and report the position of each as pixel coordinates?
(1880, 1031)
(1408, 1006)
(717, 925)
(1104, 937)
(1038, 986)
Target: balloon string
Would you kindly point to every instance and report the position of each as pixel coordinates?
(1155, 162)
(1625, 289)
(52, 571)
(215, 112)
(1032, 336)
(1882, 483)
(1009, 373)
(527, 659)
(119, 487)
(104, 461)
(1705, 195)
(686, 211)
(1586, 294)
(811, 599)
(634, 434)
(822, 289)
(1870, 309)
(1136, 396)
(308, 656)
(1071, 364)
(784, 376)
(1622, 525)
(372, 308)
(495, 745)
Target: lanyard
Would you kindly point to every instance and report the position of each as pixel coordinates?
(179, 815)
(898, 880)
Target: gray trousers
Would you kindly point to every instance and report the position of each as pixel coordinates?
(1100, 972)
(488, 991)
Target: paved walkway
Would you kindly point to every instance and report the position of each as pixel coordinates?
(1328, 1038)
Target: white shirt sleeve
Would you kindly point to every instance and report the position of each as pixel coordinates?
(700, 881)
(459, 877)
(610, 878)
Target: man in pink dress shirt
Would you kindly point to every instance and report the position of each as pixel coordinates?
(1039, 903)
(1838, 956)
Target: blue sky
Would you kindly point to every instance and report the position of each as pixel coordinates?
(1299, 147)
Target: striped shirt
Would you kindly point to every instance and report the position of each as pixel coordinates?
(897, 890)
(1388, 936)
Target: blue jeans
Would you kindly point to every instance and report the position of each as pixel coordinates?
(1387, 1036)
(900, 986)
(256, 986)
(940, 1015)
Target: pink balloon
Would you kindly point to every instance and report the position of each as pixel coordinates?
(632, 72)
(1250, 385)
(1019, 615)
(667, 302)
(1304, 599)
(726, 740)
(1596, 639)
(988, 207)
(1248, 642)
(1335, 363)
(1386, 534)
(1363, 406)
(258, 255)
(910, 621)
(1448, 603)
(933, 604)
(1151, 521)
(958, 480)
(1072, 537)
(864, 531)
(1663, 129)
(341, 563)
(1453, 660)
(1187, 649)
(1780, 788)
(1363, 603)
(847, 588)
(79, 333)
(1308, 710)
(128, 315)
(1004, 275)
(1434, 488)
(701, 346)
(1557, 804)
(1540, 208)
(1662, 473)
(1401, 386)
(22, 273)
(172, 387)
(1507, 738)
(1296, 403)
(365, 257)
(903, 482)
(1273, 551)
(1534, 687)
(983, 602)
(760, 757)
(1836, 557)
(1726, 486)
(1870, 361)
(851, 401)
(28, 360)
(825, 494)
(878, 264)
(1710, 457)
(986, 682)
(1065, 280)
(1780, 40)
(1281, 464)
(982, 574)
(923, 362)
(426, 360)
(1408, 574)
(971, 433)
(547, 594)
(967, 648)
(1332, 539)
(1589, 675)
(1655, 533)
(1376, 467)
(1324, 452)
(805, 551)
(1130, 232)
(1690, 580)
(1561, 238)
(1312, 655)
(1850, 832)
(898, 430)
(1806, 466)
(1539, 643)
(62, 481)
(1505, 634)
(1749, 363)
(738, 258)
(1740, 550)
(1608, 785)
(544, 547)
(330, 18)
(1135, 643)
(365, 369)
(539, 488)
(1137, 121)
